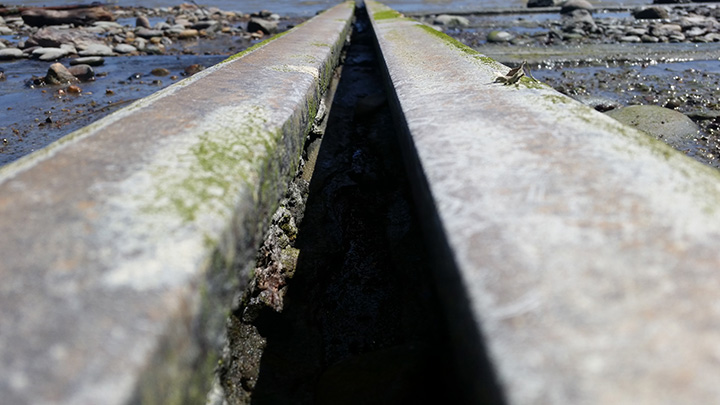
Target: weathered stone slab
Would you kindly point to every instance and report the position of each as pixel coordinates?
(582, 252)
(123, 243)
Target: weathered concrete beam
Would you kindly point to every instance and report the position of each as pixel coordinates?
(124, 243)
(602, 53)
(582, 253)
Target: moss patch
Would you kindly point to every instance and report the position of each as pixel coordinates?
(212, 168)
(556, 99)
(450, 40)
(257, 46)
(386, 15)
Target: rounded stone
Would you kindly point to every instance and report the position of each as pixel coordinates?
(540, 3)
(11, 53)
(451, 20)
(670, 126)
(571, 5)
(48, 54)
(142, 22)
(160, 72)
(192, 69)
(124, 48)
(147, 33)
(59, 74)
(630, 39)
(82, 72)
(499, 36)
(88, 60)
(265, 26)
(97, 50)
(651, 13)
(664, 30)
(188, 34)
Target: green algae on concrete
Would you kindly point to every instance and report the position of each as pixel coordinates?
(448, 39)
(218, 163)
(386, 15)
(260, 44)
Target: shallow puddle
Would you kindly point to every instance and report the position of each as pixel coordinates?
(35, 117)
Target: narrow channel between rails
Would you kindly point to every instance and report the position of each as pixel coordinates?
(356, 318)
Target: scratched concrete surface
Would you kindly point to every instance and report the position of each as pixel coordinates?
(123, 243)
(585, 251)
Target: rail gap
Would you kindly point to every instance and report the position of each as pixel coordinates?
(341, 306)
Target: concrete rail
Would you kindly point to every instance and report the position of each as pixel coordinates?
(124, 243)
(578, 258)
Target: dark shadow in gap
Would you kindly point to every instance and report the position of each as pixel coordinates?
(361, 322)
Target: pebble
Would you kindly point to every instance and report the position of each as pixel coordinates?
(262, 14)
(124, 48)
(712, 37)
(572, 5)
(96, 30)
(640, 31)
(265, 26)
(188, 34)
(669, 126)
(148, 33)
(649, 39)
(73, 89)
(108, 25)
(691, 21)
(140, 44)
(192, 69)
(155, 49)
(665, 30)
(48, 54)
(59, 74)
(578, 20)
(160, 72)
(695, 32)
(56, 36)
(451, 20)
(540, 3)
(97, 50)
(630, 39)
(204, 25)
(161, 26)
(651, 13)
(83, 72)
(142, 22)
(88, 60)
(11, 53)
(499, 36)
(185, 23)
(677, 37)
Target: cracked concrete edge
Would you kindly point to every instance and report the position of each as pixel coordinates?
(125, 242)
(577, 256)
